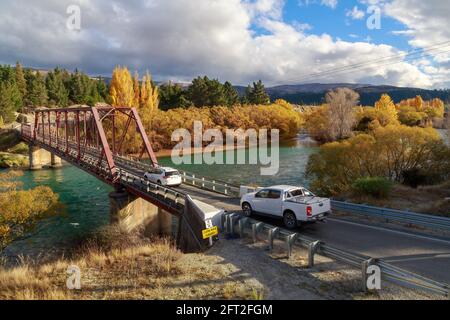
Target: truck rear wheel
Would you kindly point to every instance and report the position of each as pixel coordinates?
(290, 220)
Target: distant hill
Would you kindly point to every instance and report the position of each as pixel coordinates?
(314, 93)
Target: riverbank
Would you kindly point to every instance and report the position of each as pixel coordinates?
(192, 151)
(13, 161)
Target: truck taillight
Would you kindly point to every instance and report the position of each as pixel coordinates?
(309, 211)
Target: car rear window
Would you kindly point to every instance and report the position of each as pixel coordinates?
(296, 193)
(172, 173)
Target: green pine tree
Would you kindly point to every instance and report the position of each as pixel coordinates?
(10, 101)
(231, 95)
(57, 92)
(257, 94)
(172, 96)
(36, 90)
(21, 81)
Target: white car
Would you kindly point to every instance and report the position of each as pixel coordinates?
(164, 176)
(295, 205)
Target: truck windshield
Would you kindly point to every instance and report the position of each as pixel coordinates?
(308, 193)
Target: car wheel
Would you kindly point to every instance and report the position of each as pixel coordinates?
(290, 220)
(159, 182)
(247, 209)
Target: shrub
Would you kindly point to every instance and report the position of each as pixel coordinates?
(373, 186)
(386, 152)
(8, 139)
(21, 148)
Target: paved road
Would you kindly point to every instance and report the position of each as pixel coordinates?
(424, 255)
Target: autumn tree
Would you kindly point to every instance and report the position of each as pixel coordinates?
(149, 95)
(317, 123)
(386, 152)
(387, 110)
(341, 103)
(22, 209)
(121, 88)
(417, 112)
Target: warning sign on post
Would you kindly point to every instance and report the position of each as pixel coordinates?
(211, 232)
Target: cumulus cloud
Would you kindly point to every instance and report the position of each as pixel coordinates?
(328, 3)
(180, 39)
(356, 13)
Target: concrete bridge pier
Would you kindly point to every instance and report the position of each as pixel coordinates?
(38, 157)
(56, 161)
(130, 213)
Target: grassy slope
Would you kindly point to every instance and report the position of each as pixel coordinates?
(118, 266)
(430, 199)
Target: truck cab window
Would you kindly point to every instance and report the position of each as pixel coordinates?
(263, 194)
(274, 194)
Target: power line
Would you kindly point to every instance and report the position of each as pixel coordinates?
(372, 66)
(362, 65)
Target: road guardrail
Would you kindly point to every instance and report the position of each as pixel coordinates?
(410, 218)
(236, 224)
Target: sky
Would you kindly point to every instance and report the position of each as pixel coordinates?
(277, 41)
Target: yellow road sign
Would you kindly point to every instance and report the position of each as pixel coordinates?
(211, 232)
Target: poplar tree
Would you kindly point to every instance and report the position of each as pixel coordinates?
(121, 88)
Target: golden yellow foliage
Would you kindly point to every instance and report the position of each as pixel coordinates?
(20, 209)
(121, 88)
(415, 112)
(386, 152)
(386, 111)
(149, 98)
(283, 117)
(317, 124)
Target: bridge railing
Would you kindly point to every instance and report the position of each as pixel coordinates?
(217, 186)
(171, 197)
(412, 218)
(233, 224)
(26, 130)
(210, 185)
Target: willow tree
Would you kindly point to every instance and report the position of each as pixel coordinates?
(341, 103)
(22, 209)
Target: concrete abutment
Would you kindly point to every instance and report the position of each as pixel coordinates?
(130, 213)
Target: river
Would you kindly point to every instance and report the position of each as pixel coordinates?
(86, 204)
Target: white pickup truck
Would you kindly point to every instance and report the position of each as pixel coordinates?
(295, 205)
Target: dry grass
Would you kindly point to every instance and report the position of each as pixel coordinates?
(115, 265)
(118, 266)
(431, 199)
